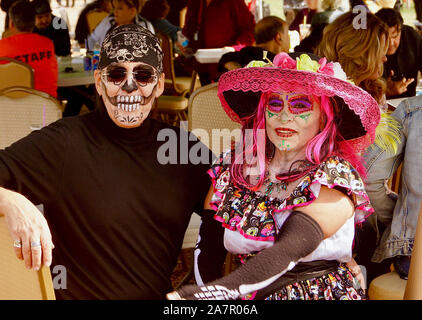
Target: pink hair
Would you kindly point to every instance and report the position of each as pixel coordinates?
(325, 144)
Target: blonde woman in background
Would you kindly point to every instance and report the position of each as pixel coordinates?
(360, 51)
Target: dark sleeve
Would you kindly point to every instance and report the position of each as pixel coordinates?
(82, 28)
(62, 41)
(209, 250)
(245, 22)
(32, 166)
(299, 236)
(191, 19)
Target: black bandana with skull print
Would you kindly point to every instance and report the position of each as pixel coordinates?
(131, 43)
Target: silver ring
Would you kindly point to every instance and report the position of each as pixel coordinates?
(17, 244)
(35, 244)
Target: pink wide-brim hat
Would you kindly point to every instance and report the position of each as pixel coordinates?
(358, 113)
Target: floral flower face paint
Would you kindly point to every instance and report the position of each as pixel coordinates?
(291, 120)
(296, 104)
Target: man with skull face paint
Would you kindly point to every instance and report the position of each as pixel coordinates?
(117, 216)
(128, 84)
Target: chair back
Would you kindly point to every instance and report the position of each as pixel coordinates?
(17, 282)
(168, 66)
(94, 17)
(174, 85)
(15, 73)
(209, 121)
(390, 286)
(31, 111)
(413, 289)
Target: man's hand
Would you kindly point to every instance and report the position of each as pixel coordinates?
(397, 87)
(28, 229)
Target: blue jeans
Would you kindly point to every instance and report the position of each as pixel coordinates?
(399, 217)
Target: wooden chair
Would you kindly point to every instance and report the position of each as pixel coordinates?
(172, 106)
(30, 111)
(206, 113)
(180, 86)
(94, 17)
(15, 73)
(390, 286)
(413, 289)
(17, 282)
(171, 109)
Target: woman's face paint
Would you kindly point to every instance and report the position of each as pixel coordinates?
(297, 105)
(284, 146)
(291, 120)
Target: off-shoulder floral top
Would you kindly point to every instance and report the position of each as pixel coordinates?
(253, 219)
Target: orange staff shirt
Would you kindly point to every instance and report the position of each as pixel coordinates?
(38, 52)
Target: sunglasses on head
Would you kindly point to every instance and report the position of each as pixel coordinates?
(143, 75)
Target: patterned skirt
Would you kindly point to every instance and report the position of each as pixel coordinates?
(336, 285)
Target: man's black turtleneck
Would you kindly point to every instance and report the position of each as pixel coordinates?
(116, 214)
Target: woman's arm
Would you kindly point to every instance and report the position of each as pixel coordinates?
(209, 254)
(330, 210)
(301, 234)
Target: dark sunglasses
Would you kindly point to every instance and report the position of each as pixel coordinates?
(143, 75)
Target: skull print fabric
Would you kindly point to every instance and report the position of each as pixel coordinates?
(131, 43)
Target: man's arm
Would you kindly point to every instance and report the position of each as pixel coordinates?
(30, 173)
(28, 228)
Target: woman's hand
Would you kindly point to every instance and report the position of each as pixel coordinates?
(28, 229)
(357, 273)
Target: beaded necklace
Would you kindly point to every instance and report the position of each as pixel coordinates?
(297, 170)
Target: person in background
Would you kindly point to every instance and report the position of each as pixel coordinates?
(31, 48)
(50, 26)
(396, 215)
(82, 29)
(329, 11)
(5, 5)
(305, 14)
(115, 209)
(312, 41)
(156, 12)
(360, 51)
(124, 12)
(404, 55)
(176, 7)
(217, 24)
(418, 10)
(271, 36)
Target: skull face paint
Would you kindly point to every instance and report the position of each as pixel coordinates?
(129, 90)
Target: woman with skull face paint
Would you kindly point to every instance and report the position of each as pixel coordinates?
(285, 201)
(116, 214)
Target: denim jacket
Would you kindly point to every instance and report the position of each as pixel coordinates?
(400, 217)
